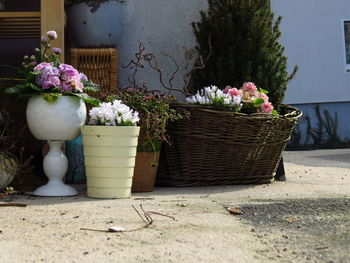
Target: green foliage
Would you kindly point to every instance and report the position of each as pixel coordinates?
(238, 40)
(154, 112)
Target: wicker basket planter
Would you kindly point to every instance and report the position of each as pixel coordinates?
(222, 148)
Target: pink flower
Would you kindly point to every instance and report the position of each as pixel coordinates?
(65, 87)
(234, 92)
(227, 89)
(69, 73)
(51, 81)
(51, 35)
(42, 65)
(249, 86)
(262, 96)
(266, 107)
(78, 86)
(83, 77)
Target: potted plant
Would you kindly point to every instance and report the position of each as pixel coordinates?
(237, 42)
(95, 23)
(109, 145)
(155, 112)
(55, 110)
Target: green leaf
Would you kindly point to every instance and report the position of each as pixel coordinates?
(34, 87)
(87, 98)
(274, 112)
(51, 97)
(263, 91)
(89, 86)
(14, 90)
(258, 101)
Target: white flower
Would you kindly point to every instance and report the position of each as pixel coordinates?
(113, 114)
(212, 95)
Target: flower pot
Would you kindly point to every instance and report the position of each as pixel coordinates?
(145, 171)
(91, 28)
(8, 167)
(109, 156)
(55, 122)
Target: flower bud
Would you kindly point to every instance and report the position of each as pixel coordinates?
(51, 35)
(44, 40)
(57, 50)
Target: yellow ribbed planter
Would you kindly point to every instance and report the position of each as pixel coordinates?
(109, 154)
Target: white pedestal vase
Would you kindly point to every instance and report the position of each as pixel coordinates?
(109, 154)
(55, 122)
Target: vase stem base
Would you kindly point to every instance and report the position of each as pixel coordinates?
(55, 189)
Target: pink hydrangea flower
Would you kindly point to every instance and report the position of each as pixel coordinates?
(266, 107)
(83, 77)
(65, 87)
(250, 87)
(48, 77)
(68, 73)
(42, 65)
(51, 81)
(78, 86)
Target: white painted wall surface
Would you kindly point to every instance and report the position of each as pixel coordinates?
(312, 34)
(163, 26)
(314, 40)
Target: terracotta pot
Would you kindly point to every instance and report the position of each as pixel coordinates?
(145, 171)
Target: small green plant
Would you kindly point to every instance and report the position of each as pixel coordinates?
(154, 112)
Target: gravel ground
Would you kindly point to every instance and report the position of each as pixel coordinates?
(305, 219)
(302, 230)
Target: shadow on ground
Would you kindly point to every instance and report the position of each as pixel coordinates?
(302, 230)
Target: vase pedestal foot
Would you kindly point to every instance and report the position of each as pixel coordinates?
(55, 167)
(55, 189)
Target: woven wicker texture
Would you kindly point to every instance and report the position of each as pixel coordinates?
(223, 148)
(98, 64)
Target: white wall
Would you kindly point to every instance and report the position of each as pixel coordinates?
(163, 26)
(312, 34)
(313, 37)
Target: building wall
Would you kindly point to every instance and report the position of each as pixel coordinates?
(164, 27)
(314, 40)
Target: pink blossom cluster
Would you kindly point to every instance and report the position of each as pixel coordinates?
(66, 78)
(249, 93)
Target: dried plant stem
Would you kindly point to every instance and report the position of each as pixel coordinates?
(145, 217)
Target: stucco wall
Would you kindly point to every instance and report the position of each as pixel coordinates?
(314, 40)
(312, 34)
(163, 26)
